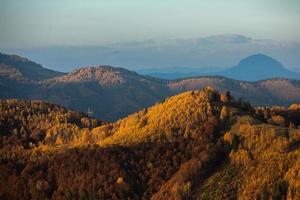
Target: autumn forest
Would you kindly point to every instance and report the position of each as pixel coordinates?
(196, 145)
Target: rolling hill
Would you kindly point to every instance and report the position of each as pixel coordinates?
(195, 145)
(110, 92)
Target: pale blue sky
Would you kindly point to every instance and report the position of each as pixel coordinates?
(31, 23)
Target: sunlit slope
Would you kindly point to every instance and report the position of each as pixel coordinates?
(263, 164)
(182, 137)
(188, 114)
(131, 162)
(32, 124)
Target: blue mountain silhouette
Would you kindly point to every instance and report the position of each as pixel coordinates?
(258, 67)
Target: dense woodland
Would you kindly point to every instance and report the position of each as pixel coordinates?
(197, 145)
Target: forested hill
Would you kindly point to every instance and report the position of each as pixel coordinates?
(178, 149)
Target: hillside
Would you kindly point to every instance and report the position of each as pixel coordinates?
(258, 67)
(110, 92)
(198, 144)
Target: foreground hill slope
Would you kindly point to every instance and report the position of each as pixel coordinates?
(181, 115)
(131, 158)
(198, 144)
(31, 123)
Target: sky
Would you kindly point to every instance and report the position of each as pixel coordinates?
(38, 23)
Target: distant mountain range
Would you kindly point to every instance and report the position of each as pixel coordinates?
(253, 68)
(220, 51)
(113, 93)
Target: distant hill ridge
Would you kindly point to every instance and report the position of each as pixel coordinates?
(26, 68)
(113, 93)
(105, 75)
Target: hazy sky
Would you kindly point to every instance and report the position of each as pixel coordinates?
(31, 23)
